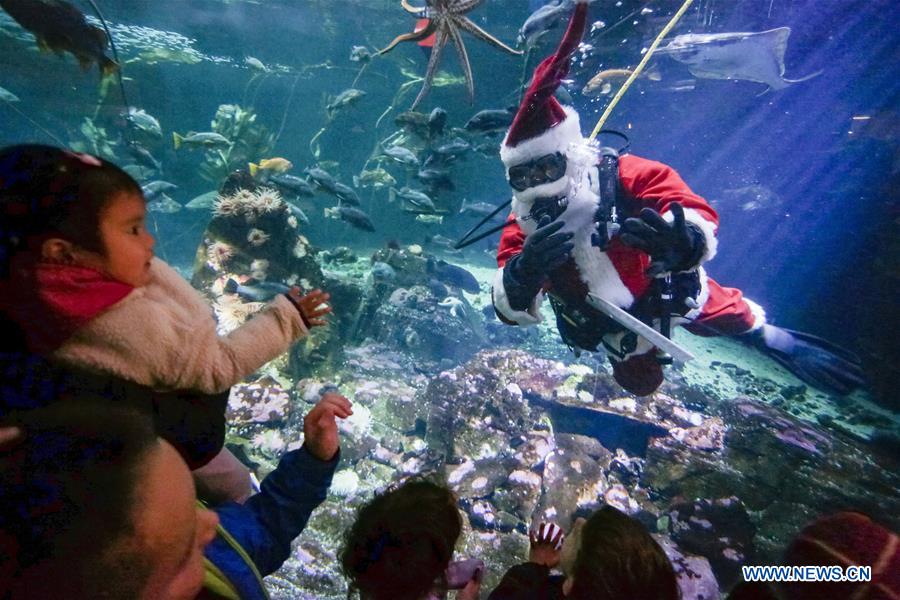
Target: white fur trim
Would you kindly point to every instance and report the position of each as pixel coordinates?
(759, 314)
(707, 227)
(556, 139)
(501, 302)
(702, 297)
(163, 335)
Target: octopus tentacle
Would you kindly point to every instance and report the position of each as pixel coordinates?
(436, 51)
(456, 36)
(412, 9)
(461, 7)
(412, 36)
(483, 35)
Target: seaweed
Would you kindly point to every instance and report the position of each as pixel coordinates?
(249, 141)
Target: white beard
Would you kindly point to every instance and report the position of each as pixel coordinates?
(581, 187)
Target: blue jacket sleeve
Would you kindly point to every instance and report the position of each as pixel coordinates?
(269, 521)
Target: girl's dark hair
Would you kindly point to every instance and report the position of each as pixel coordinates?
(67, 502)
(618, 559)
(402, 542)
(49, 191)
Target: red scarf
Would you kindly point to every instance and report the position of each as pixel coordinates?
(50, 302)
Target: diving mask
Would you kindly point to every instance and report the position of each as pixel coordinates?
(543, 169)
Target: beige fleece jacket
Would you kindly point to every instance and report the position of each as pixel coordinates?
(163, 335)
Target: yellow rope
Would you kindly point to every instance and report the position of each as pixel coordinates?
(639, 68)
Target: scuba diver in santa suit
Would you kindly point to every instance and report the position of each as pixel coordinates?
(637, 243)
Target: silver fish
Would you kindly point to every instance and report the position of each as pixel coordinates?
(401, 155)
(154, 189)
(203, 201)
(144, 121)
(348, 97)
(748, 56)
(543, 20)
(8, 96)
(163, 204)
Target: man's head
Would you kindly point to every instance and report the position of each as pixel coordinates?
(543, 130)
(95, 505)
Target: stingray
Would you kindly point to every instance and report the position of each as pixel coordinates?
(749, 56)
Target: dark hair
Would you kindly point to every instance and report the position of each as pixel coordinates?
(67, 502)
(402, 542)
(618, 559)
(46, 190)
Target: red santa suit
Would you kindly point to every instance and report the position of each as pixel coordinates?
(617, 273)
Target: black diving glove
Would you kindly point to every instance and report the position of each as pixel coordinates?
(545, 250)
(673, 247)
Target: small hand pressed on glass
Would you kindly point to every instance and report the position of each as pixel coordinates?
(546, 544)
(312, 306)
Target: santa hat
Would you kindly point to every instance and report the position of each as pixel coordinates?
(542, 125)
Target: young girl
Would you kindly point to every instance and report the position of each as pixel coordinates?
(82, 286)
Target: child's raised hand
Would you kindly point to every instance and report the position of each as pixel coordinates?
(546, 544)
(312, 306)
(320, 428)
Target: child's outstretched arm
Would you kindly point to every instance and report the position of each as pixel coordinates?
(164, 336)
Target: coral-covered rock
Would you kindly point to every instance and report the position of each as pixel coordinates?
(262, 401)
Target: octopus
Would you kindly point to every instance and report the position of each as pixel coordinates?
(445, 20)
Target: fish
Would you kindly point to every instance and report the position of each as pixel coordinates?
(143, 121)
(453, 148)
(162, 203)
(322, 178)
(291, 184)
(436, 121)
(60, 27)
(752, 197)
(477, 208)
(143, 157)
(490, 120)
(430, 219)
(346, 98)
(346, 194)
(453, 275)
(254, 64)
(749, 56)
(401, 155)
(276, 165)
(138, 172)
(297, 212)
(8, 96)
(204, 201)
(416, 198)
(256, 291)
(543, 20)
(206, 139)
(601, 83)
(436, 178)
(154, 189)
(439, 240)
(382, 271)
(377, 178)
(351, 215)
(360, 54)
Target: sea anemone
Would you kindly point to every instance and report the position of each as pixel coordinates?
(231, 312)
(292, 222)
(257, 237)
(218, 253)
(267, 200)
(300, 248)
(226, 206)
(259, 269)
